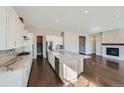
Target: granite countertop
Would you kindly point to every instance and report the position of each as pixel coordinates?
(12, 63)
(69, 58)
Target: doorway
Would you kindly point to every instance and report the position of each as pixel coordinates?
(40, 46)
(82, 43)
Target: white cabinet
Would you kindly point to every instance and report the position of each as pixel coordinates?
(51, 60)
(61, 72)
(69, 74)
(25, 75)
(65, 72)
(2, 28)
(11, 79)
(18, 35)
(21, 34)
(11, 29)
(29, 42)
(18, 77)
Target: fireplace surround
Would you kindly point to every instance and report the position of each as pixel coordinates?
(112, 51)
(118, 52)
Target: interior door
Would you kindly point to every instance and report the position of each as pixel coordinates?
(82, 40)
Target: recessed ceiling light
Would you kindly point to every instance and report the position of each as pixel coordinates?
(86, 11)
(57, 20)
(117, 15)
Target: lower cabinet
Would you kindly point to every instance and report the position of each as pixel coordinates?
(65, 73)
(51, 60)
(69, 74)
(61, 72)
(11, 79)
(16, 78)
(25, 75)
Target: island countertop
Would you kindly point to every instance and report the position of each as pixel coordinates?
(69, 58)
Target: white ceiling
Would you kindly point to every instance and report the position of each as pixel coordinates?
(72, 18)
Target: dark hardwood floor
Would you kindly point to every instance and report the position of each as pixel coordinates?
(104, 71)
(99, 70)
(42, 75)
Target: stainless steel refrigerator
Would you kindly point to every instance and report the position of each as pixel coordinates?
(49, 47)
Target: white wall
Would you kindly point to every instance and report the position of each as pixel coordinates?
(71, 42)
(98, 43)
(55, 40)
(44, 32)
(90, 44)
(38, 32)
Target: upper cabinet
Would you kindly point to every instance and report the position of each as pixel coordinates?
(3, 43)
(11, 29)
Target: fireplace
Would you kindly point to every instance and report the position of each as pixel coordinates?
(112, 51)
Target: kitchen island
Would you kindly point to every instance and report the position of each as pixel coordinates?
(67, 65)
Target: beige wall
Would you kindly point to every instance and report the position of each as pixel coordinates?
(93, 38)
(114, 36)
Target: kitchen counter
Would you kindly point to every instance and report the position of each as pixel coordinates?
(69, 58)
(15, 62)
(15, 71)
(71, 64)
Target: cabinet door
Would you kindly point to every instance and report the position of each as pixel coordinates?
(21, 33)
(11, 21)
(17, 37)
(61, 70)
(2, 28)
(51, 60)
(69, 74)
